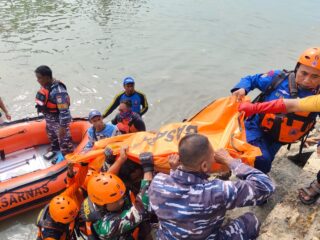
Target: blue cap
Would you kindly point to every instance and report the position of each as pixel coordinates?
(94, 113)
(128, 80)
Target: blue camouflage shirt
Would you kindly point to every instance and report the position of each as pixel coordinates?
(59, 95)
(189, 206)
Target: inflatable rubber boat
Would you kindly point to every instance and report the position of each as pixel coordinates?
(27, 179)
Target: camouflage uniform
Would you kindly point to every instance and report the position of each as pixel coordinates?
(189, 206)
(120, 225)
(59, 95)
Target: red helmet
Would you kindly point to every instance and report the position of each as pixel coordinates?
(311, 58)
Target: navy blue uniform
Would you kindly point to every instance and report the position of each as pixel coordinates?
(54, 120)
(190, 206)
(255, 135)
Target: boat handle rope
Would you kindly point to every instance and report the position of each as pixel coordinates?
(20, 132)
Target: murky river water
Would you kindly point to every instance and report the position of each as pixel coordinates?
(182, 53)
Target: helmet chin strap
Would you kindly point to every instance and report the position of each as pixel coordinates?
(313, 90)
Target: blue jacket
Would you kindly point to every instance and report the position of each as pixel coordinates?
(109, 131)
(261, 82)
(189, 206)
(138, 99)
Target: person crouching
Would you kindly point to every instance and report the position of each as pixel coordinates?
(110, 211)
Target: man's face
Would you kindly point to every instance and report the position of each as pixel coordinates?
(42, 80)
(97, 123)
(308, 77)
(123, 108)
(129, 88)
(116, 206)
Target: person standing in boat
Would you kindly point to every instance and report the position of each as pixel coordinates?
(128, 121)
(5, 110)
(52, 100)
(137, 98)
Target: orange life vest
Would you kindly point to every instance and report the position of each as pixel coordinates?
(45, 221)
(126, 126)
(287, 128)
(290, 127)
(43, 103)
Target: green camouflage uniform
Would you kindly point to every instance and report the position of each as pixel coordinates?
(120, 225)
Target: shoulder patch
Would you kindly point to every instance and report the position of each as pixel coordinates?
(59, 99)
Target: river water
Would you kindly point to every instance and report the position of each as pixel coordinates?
(182, 53)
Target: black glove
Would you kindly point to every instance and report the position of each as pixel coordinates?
(110, 158)
(146, 160)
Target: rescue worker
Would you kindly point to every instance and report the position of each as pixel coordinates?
(138, 99)
(307, 195)
(270, 131)
(190, 206)
(5, 111)
(99, 129)
(53, 101)
(110, 211)
(128, 121)
(56, 220)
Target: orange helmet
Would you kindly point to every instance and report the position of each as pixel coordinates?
(91, 172)
(311, 58)
(105, 188)
(63, 209)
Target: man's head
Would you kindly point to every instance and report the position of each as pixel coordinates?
(44, 75)
(308, 69)
(196, 153)
(95, 118)
(63, 209)
(125, 106)
(128, 85)
(107, 189)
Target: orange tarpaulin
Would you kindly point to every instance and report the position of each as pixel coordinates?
(219, 121)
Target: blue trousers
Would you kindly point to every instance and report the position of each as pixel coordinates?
(63, 144)
(246, 227)
(269, 149)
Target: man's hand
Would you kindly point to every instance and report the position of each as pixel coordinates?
(174, 161)
(110, 158)
(123, 154)
(62, 132)
(223, 157)
(240, 93)
(71, 173)
(8, 116)
(146, 160)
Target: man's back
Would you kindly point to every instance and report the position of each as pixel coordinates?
(191, 207)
